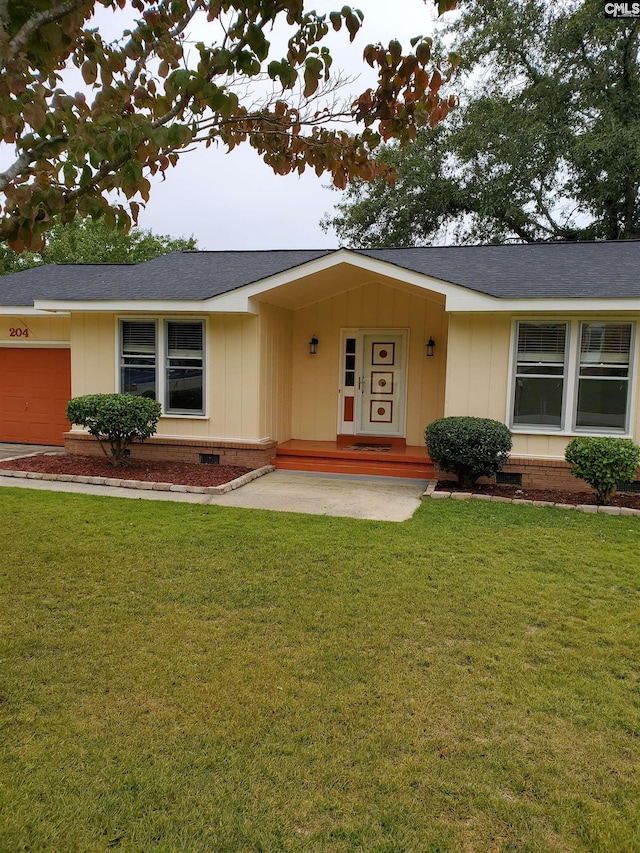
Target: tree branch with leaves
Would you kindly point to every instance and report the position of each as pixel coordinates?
(151, 95)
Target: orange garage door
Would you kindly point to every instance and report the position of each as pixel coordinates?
(35, 387)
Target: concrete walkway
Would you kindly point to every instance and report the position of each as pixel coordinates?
(377, 498)
(373, 498)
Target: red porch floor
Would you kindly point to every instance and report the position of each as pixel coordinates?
(337, 458)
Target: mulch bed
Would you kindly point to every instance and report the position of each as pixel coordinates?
(177, 473)
(192, 474)
(630, 501)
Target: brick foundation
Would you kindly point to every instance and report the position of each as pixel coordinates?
(544, 474)
(538, 474)
(248, 454)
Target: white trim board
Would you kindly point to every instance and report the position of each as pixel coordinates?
(20, 343)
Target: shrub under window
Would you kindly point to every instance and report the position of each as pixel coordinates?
(116, 420)
(602, 462)
(468, 447)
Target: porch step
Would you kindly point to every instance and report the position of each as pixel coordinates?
(330, 458)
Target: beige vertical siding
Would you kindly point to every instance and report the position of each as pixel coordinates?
(262, 382)
(540, 446)
(233, 376)
(41, 330)
(276, 333)
(316, 379)
(93, 354)
(478, 373)
(478, 365)
(232, 373)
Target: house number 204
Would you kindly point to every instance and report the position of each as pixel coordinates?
(18, 333)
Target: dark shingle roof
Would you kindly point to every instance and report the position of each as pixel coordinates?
(179, 275)
(529, 270)
(526, 271)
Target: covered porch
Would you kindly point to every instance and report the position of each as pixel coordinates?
(358, 373)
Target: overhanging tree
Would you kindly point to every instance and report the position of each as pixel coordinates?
(546, 145)
(149, 96)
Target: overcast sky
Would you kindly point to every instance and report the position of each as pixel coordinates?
(234, 201)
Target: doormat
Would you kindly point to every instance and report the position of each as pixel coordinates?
(376, 448)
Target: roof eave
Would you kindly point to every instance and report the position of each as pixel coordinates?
(469, 304)
(165, 306)
(25, 311)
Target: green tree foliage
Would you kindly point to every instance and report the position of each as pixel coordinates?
(153, 93)
(11, 261)
(546, 145)
(89, 242)
(603, 462)
(116, 420)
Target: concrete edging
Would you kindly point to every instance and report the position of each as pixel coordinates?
(139, 484)
(432, 492)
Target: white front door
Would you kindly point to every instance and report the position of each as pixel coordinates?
(381, 389)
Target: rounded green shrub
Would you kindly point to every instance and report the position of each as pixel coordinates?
(468, 447)
(602, 462)
(115, 420)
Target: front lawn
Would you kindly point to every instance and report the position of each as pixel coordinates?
(191, 678)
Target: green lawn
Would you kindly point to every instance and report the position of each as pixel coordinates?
(189, 678)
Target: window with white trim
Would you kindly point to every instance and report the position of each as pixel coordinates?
(540, 374)
(603, 379)
(138, 367)
(572, 376)
(184, 391)
(177, 378)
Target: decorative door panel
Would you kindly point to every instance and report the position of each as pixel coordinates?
(382, 384)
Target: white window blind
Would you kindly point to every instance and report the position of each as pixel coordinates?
(605, 342)
(540, 375)
(164, 360)
(184, 340)
(541, 342)
(138, 337)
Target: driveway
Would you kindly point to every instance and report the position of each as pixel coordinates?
(9, 451)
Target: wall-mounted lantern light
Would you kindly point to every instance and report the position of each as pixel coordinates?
(313, 345)
(429, 347)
